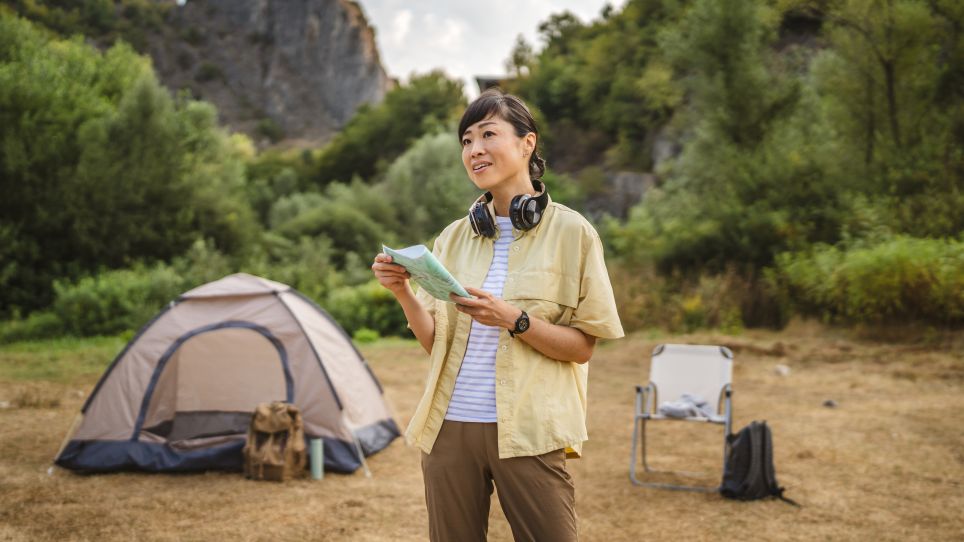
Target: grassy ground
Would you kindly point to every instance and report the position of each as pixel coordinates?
(887, 463)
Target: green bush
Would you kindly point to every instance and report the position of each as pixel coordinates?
(114, 301)
(37, 326)
(365, 336)
(367, 306)
(270, 130)
(726, 301)
(304, 264)
(896, 280)
(290, 206)
(352, 216)
(208, 72)
(200, 264)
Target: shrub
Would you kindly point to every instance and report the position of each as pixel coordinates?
(114, 301)
(304, 264)
(200, 264)
(288, 207)
(348, 215)
(892, 281)
(676, 303)
(365, 335)
(37, 326)
(367, 306)
(208, 72)
(270, 130)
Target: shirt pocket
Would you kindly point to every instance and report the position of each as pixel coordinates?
(547, 295)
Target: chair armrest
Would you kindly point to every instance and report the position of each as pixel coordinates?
(644, 396)
(726, 395)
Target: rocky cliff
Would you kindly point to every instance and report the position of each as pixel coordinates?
(276, 69)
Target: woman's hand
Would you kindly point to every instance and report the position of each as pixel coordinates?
(391, 276)
(487, 309)
(395, 278)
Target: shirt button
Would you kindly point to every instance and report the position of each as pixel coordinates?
(502, 382)
(505, 347)
(516, 249)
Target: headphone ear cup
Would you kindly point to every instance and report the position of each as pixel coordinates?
(480, 220)
(532, 214)
(517, 211)
(526, 210)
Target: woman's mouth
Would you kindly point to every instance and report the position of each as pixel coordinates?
(480, 167)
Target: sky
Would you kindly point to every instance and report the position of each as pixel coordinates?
(464, 38)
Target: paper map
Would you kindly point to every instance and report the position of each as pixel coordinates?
(427, 271)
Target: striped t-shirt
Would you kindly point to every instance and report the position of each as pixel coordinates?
(474, 397)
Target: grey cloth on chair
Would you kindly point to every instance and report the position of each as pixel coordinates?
(688, 406)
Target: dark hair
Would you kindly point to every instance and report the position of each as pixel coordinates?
(514, 111)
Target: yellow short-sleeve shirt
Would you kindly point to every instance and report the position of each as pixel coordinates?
(556, 272)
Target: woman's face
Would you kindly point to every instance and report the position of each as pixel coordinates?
(492, 153)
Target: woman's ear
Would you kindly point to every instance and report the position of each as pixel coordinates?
(530, 143)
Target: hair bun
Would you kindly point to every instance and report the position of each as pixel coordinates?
(537, 166)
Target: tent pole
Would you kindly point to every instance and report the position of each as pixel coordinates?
(361, 456)
(70, 432)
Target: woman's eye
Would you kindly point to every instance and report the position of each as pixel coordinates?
(465, 142)
(487, 134)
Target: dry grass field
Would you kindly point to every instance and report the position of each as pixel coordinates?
(887, 463)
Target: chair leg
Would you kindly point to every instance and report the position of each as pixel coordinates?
(727, 425)
(637, 418)
(642, 438)
(725, 446)
(632, 456)
(639, 440)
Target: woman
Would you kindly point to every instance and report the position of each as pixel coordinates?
(505, 401)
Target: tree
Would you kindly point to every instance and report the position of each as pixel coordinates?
(752, 180)
(377, 134)
(433, 166)
(887, 82)
(100, 167)
(521, 57)
(602, 86)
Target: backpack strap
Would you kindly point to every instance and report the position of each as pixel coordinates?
(787, 499)
(769, 473)
(757, 465)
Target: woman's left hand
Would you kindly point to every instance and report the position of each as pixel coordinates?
(487, 309)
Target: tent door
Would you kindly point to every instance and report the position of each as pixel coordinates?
(211, 382)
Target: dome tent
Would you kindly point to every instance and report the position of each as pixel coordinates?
(180, 395)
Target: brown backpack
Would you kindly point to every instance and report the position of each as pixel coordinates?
(275, 449)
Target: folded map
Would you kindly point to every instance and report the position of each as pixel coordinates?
(427, 271)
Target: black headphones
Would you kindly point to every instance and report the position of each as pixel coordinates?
(525, 211)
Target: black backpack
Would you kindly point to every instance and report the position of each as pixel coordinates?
(748, 473)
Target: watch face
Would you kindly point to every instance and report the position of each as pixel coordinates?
(523, 323)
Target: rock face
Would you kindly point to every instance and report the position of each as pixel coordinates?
(276, 69)
(621, 191)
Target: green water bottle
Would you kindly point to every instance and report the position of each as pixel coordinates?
(317, 459)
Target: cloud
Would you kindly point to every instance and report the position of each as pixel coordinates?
(450, 35)
(465, 39)
(401, 24)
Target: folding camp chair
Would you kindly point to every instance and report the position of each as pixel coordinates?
(677, 369)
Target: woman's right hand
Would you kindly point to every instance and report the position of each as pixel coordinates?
(391, 276)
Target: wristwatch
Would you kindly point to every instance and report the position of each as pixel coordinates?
(521, 324)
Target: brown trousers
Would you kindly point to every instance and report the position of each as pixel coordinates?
(536, 493)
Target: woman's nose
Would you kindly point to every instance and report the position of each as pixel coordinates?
(476, 148)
